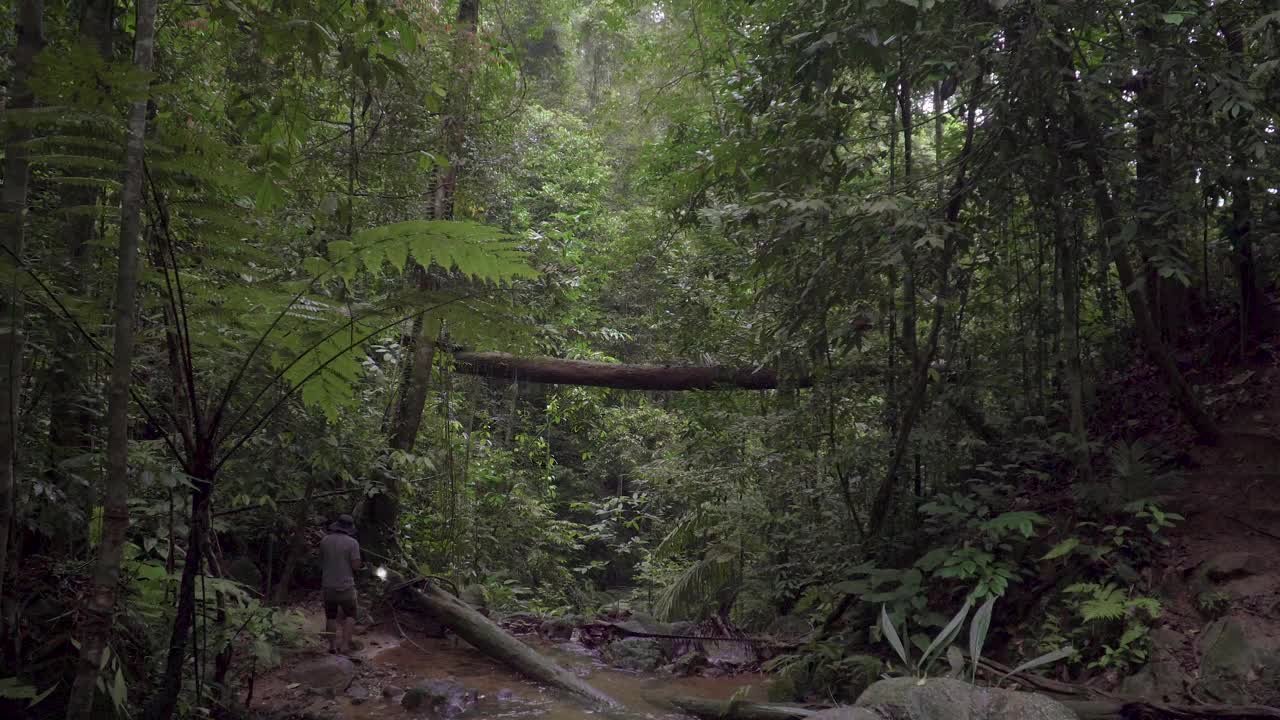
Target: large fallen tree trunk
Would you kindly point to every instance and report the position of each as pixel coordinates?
(618, 375)
(735, 709)
(493, 641)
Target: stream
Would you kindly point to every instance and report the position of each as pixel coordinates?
(388, 661)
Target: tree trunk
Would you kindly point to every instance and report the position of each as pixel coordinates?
(165, 700)
(70, 418)
(115, 515)
(882, 504)
(13, 213)
(1255, 313)
(1086, 148)
(383, 510)
(617, 375)
(493, 641)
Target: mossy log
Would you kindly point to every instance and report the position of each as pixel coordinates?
(493, 641)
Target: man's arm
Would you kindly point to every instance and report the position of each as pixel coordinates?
(356, 564)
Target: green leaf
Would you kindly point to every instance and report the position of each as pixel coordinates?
(1062, 548)
(978, 632)
(947, 635)
(1046, 659)
(891, 635)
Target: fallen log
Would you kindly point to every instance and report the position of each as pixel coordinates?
(735, 709)
(488, 638)
(621, 376)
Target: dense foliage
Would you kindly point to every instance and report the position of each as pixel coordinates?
(955, 229)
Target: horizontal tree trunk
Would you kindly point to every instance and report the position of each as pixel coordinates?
(493, 641)
(618, 375)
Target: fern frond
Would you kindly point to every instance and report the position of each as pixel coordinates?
(697, 586)
(479, 251)
(691, 527)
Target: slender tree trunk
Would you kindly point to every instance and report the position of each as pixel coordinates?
(115, 516)
(1086, 148)
(882, 504)
(165, 700)
(384, 510)
(70, 417)
(1255, 314)
(13, 214)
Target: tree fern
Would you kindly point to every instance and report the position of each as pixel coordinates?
(698, 585)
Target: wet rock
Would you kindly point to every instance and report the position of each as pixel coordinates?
(847, 713)
(325, 672)
(641, 654)
(558, 629)
(1162, 679)
(946, 699)
(442, 698)
(789, 628)
(358, 694)
(688, 664)
(1225, 567)
(1239, 661)
(390, 692)
(506, 695)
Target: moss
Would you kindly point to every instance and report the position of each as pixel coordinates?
(1214, 604)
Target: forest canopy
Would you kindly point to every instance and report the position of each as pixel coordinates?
(846, 313)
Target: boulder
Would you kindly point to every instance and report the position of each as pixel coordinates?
(789, 628)
(1162, 679)
(324, 673)
(442, 698)
(688, 664)
(1225, 567)
(946, 699)
(1239, 661)
(559, 629)
(641, 654)
(846, 712)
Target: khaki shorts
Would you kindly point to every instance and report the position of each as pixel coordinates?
(335, 600)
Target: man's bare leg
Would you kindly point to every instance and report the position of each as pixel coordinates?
(348, 630)
(331, 630)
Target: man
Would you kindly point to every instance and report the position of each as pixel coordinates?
(339, 560)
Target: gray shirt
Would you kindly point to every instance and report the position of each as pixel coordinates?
(338, 552)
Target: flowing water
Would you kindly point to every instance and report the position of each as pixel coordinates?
(389, 661)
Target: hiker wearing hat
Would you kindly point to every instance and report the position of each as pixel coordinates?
(339, 559)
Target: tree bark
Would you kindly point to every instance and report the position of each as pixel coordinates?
(617, 375)
(1255, 314)
(493, 641)
(13, 214)
(115, 516)
(882, 504)
(70, 417)
(383, 510)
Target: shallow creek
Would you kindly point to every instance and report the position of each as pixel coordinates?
(386, 660)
